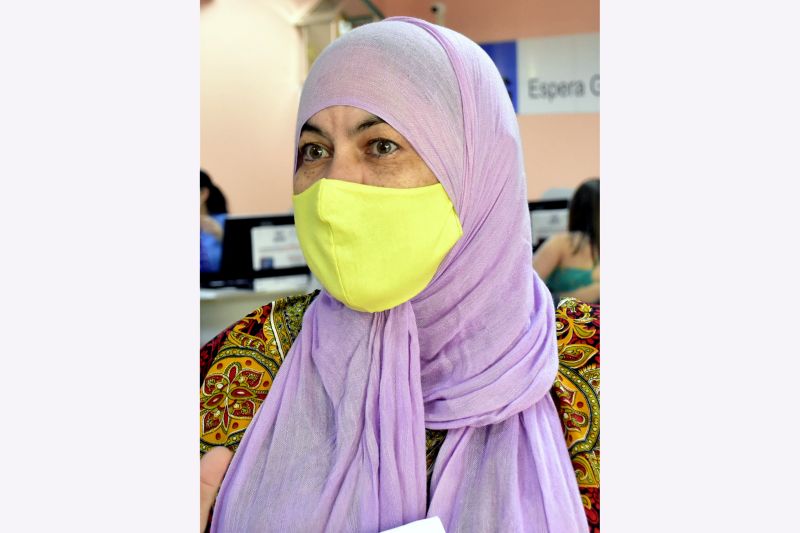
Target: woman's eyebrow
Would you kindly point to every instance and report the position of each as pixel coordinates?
(308, 127)
(372, 120)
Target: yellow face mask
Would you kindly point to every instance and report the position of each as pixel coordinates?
(374, 248)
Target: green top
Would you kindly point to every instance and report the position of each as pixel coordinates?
(564, 280)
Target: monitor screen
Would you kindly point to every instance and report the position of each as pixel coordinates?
(548, 217)
(257, 246)
(275, 246)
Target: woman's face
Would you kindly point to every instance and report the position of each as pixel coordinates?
(347, 143)
(204, 194)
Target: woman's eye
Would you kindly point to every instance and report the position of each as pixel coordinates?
(312, 152)
(382, 147)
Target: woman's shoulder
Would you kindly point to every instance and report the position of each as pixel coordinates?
(266, 333)
(577, 249)
(561, 238)
(572, 238)
(564, 242)
(554, 246)
(247, 354)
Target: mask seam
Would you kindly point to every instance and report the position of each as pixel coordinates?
(333, 242)
(438, 271)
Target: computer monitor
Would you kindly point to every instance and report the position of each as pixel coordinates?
(548, 217)
(253, 247)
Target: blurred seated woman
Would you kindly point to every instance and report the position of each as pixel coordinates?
(569, 262)
(418, 382)
(213, 211)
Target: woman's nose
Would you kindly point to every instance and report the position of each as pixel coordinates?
(345, 166)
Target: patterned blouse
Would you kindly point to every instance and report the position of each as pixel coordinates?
(238, 366)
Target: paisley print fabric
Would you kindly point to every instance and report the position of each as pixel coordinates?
(238, 367)
(576, 393)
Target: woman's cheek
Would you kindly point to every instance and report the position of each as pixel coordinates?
(303, 179)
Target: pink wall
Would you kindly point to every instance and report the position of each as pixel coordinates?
(500, 20)
(250, 79)
(251, 59)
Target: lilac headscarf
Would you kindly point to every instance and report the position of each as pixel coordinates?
(339, 443)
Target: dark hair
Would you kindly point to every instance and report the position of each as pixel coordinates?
(216, 203)
(584, 215)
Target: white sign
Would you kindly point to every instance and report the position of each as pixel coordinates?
(559, 74)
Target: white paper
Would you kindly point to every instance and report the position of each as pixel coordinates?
(428, 525)
(275, 247)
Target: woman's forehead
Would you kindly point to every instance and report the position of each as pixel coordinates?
(343, 117)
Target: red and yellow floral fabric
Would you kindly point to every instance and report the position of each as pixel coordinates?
(238, 366)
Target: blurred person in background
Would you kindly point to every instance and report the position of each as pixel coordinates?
(569, 262)
(213, 210)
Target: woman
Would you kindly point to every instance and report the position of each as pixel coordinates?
(569, 262)
(213, 210)
(433, 340)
